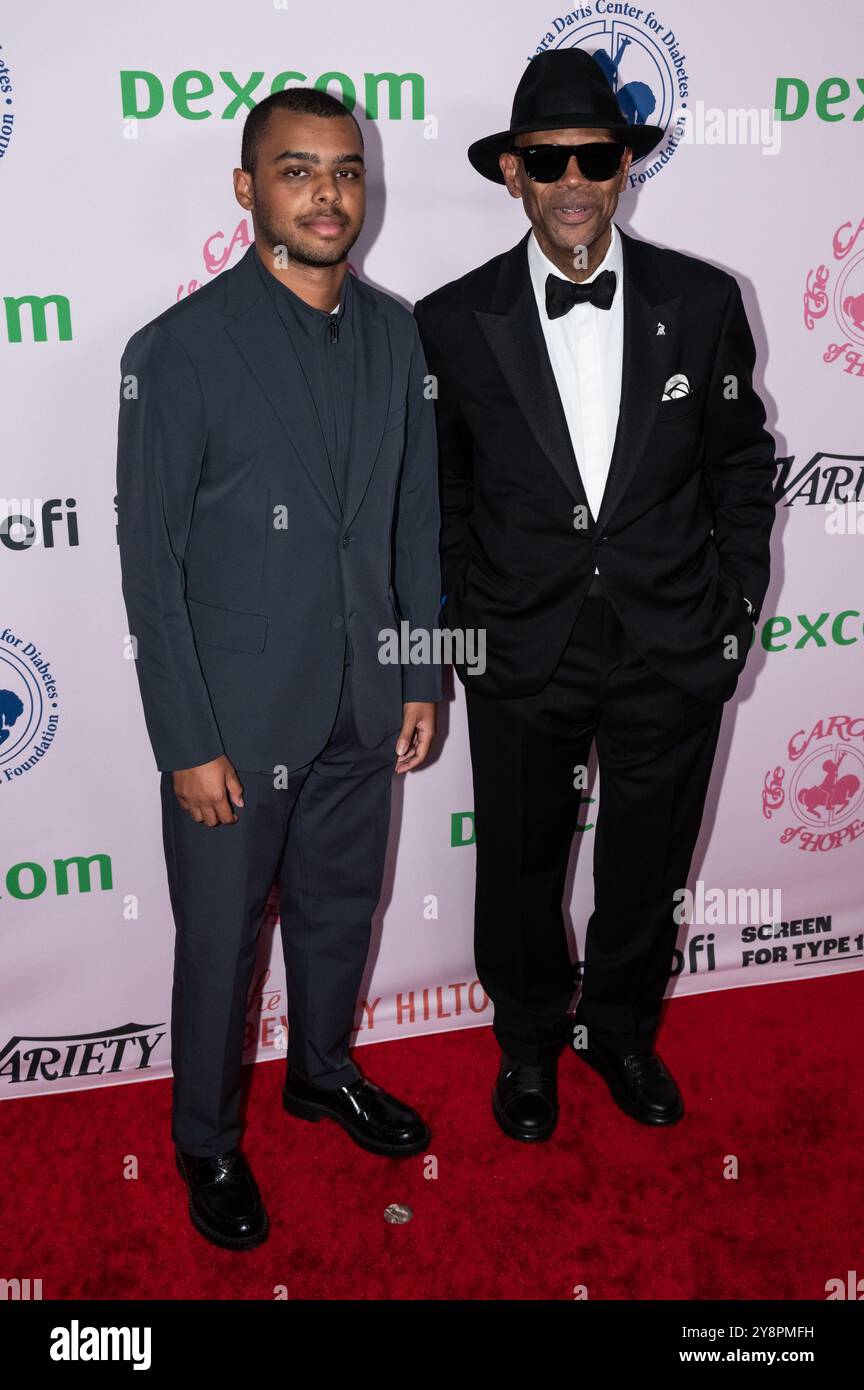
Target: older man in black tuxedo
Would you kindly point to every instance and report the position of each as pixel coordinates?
(607, 506)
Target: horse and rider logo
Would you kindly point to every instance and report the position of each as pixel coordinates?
(827, 800)
(826, 786)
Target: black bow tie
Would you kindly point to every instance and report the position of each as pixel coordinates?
(561, 295)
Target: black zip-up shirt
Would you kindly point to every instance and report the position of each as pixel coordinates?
(325, 347)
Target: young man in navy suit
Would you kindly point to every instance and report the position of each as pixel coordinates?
(278, 509)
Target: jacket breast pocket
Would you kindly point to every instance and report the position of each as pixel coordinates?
(225, 627)
(680, 406)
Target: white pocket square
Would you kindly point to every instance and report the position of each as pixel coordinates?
(676, 387)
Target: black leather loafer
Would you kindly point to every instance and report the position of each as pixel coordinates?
(525, 1099)
(224, 1202)
(639, 1083)
(374, 1119)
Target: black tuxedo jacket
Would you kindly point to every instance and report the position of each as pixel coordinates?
(682, 537)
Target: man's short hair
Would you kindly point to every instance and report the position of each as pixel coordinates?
(306, 100)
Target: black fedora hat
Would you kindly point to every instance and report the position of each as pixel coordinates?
(563, 89)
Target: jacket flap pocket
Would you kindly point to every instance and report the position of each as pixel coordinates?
(225, 627)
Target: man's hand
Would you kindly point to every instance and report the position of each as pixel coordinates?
(203, 791)
(416, 735)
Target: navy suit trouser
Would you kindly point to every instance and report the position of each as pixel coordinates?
(323, 835)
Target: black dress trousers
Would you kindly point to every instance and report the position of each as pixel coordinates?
(324, 835)
(655, 748)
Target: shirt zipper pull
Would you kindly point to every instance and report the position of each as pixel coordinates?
(334, 328)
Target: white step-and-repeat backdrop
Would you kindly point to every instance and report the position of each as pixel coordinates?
(119, 129)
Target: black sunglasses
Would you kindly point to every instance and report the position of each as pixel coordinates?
(597, 161)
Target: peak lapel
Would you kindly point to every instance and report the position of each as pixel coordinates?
(513, 331)
(649, 358)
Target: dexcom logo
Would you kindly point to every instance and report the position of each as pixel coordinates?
(782, 634)
(144, 95)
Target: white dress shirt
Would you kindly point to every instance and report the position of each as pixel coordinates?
(585, 349)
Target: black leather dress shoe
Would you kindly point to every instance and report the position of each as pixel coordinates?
(224, 1202)
(525, 1099)
(640, 1084)
(374, 1119)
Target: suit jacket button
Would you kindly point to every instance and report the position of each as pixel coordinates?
(338, 621)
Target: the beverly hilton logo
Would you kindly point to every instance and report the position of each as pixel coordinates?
(835, 293)
(823, 786)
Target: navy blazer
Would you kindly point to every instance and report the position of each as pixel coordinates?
(241, 574)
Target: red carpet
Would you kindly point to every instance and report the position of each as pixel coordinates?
(771, 1075)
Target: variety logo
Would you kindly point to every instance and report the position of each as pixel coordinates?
(822, 787)
(645, 64)
(835, 293)
(28, 706)
(93, 1054)
(818, 484)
